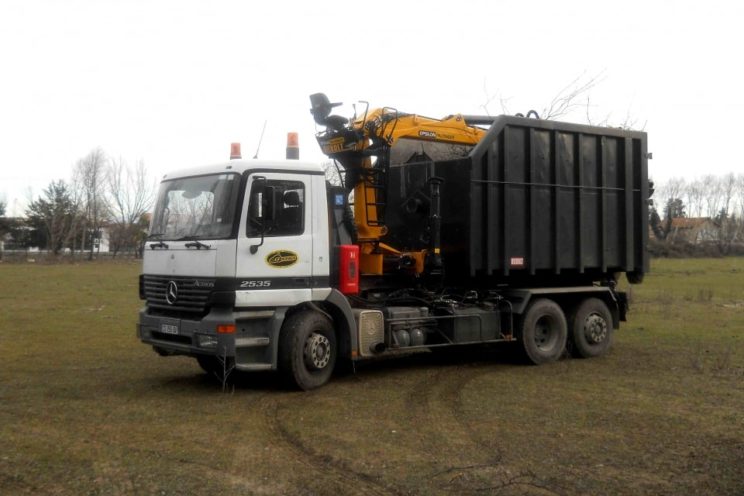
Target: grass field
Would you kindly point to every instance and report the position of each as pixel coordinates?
(86, 409)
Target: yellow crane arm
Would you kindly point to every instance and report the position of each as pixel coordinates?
(363, 147)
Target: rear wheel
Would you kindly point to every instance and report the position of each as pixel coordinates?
(543, 332)
(307, 350)
(591, 328)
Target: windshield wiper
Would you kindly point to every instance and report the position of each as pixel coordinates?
(195, 243)
(159, 244)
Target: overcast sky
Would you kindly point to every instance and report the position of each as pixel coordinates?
(174, 82)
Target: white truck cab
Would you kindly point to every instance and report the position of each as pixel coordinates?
(234, 251)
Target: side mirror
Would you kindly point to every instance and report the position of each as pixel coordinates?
(263, 211)
(268, 206)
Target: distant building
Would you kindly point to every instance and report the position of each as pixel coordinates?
(693, 230)
(101, 243)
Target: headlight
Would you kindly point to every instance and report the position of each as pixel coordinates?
(206, 341)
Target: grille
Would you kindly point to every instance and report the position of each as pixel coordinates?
(190, 299)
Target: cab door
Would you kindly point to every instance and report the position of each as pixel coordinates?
(275, 247)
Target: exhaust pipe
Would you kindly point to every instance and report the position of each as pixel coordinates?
(377, 348)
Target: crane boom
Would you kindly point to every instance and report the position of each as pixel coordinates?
(367, 146)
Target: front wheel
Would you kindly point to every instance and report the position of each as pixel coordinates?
(307, 350)
(591, 328)
(543, 332)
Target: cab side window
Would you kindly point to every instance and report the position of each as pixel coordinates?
(277, 207)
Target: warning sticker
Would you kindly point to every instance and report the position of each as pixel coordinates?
(516, 262)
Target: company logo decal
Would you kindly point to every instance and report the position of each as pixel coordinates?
(281, 258)
(171, 292)
(336, 145)
(427, 134)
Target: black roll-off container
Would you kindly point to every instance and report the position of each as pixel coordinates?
(534, 202)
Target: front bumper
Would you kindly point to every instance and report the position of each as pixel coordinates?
(253, 345)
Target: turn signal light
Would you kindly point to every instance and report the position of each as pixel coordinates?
(226, 329)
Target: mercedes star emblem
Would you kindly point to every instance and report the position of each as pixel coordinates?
(171, 292)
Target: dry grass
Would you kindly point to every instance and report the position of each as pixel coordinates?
(86, 409)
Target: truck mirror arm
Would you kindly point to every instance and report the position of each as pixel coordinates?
(261, 181)
(254, 248)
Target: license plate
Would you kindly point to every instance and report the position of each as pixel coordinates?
(169, 329)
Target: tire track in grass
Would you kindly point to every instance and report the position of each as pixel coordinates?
(456, 464)
(216, 473)
(268, 406)
(430, 400)
(437, 400)
(323, 466)
(15, 484)
(497, 473)
(418, 404)
(109, 466)
(231, 475)
(451, 399)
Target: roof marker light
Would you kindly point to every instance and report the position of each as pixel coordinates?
(293, 146)
(235, 151)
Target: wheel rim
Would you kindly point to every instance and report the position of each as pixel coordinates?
(546, 333)
(595, 328)
(317, 351)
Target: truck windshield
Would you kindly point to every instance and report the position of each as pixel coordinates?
(201, 207)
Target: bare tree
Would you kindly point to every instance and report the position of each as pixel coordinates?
(740, 195)
(570, 97)
(695, 197)
(90, 176)
(573, 97)
(728, 224)
(130, 193)
(711, 185)
(490, 97)
(719, 199)
(672, 189)
(4, 227)
(667, 197)
(78, 225)
(727, 189)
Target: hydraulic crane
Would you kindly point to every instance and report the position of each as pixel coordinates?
(365, 148)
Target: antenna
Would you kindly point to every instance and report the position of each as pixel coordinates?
(260, 140)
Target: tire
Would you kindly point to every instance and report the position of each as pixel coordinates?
(591, 329)
(634, 277)
(307, 350)
(543, 332)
